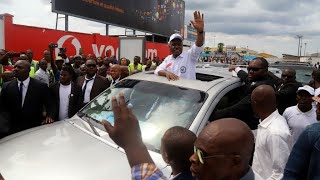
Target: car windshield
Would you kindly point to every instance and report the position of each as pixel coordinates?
(157, 106)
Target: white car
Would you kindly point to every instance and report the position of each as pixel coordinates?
(79, 148)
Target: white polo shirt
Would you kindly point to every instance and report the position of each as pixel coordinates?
(184, 65)
(298, 120)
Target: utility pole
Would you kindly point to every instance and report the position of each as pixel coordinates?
(305, 47)
(299, 44)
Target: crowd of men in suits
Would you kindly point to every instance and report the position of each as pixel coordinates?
(52, 89)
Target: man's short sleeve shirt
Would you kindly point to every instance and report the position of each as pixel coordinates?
(184, 65)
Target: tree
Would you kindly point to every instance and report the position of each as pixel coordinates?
(220, 47)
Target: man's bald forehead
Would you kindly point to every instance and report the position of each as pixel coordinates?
(263, 92)
(291, 71)
(223, 134)
(116, 66)
(91, 61)
(24, 63)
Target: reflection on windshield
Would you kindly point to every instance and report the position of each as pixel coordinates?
(157, 107)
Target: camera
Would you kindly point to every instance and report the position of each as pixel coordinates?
(53, 45)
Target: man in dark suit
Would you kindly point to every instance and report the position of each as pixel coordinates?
(286, 90)
(66, 96)
(92, 84)
(256, 76)
(24, 100)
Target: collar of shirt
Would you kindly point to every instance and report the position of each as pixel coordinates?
(90, 78)
(308, 113)
(117, 80)
(43, 71)
(25, 82)
(180, 56)
(267, 121)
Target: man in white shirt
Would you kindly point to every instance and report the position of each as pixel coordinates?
(183, 64)
(273, 140)
(303, 114)
(66, 96)
(42, 74)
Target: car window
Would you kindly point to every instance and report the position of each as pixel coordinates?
(231, 98)
(157, 106)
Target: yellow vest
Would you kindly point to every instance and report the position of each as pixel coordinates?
(131, 67)
(33, 68)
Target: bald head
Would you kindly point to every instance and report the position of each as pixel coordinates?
(177, 146)
(288, 74)
(21, 70)
(229, 137)
(263, 101)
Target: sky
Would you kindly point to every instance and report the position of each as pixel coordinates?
(268, 26)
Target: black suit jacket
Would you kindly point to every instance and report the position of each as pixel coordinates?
(75, 99)
(99, 85)
(30, 115)
(242, 110)
(286, 95)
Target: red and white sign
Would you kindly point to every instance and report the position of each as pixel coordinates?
(20, 38)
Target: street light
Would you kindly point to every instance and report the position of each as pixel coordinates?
(299, 44)
(305, 47)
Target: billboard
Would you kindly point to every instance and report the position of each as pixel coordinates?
(162, 17)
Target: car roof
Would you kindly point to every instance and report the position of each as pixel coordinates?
(214, 76)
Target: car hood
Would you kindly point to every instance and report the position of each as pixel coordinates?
(60, 151)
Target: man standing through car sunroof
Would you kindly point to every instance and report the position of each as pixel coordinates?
(183, 64)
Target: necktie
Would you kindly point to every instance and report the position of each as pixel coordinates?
(85, 86)
(20, 93)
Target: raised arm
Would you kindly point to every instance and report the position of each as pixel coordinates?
(198, 24)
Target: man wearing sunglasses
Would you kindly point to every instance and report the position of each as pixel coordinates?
(257, 75)
(222, 150)
(92, 84)
(286, 89)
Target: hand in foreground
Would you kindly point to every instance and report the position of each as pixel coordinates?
(171, 76)
(48, 120)
(198, 22)
(126, 131)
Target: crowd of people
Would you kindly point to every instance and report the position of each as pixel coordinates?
(271, 133)
(51, 89)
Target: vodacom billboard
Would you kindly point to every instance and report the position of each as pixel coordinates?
(20, 38)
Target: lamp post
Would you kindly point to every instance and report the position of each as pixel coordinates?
(299, 44)
(305, 47)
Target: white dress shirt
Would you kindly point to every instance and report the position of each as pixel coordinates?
(113, 82)
(42, 76)
(88, 89)
(24, 89)
(184, 65)
(298, 120)
(64, 95)
(273, 146)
